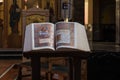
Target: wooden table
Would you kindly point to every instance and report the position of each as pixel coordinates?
(74, 62)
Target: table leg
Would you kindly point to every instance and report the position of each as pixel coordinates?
(35, 64)
(77, 68)
(70, 68)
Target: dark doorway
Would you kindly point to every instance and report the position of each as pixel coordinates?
(104, 66)
(104, 20)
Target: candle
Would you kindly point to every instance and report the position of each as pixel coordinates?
(25, 1)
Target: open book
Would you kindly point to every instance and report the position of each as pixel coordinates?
(60, 36)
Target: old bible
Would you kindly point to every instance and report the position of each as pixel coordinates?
(61, 36)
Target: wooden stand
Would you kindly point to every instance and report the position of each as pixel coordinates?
(75, 62)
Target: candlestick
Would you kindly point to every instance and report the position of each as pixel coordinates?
(37, 6)
(66, 20)
(25, 7)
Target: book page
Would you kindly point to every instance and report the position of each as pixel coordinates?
(72, 36)
(28, 38)
(81, 37)
(64, 34)
(43, 35)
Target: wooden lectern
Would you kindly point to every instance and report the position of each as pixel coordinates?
(75, 57)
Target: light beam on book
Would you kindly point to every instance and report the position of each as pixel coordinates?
(63, 36)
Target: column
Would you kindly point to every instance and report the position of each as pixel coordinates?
(89, 18)
(5, 31)
(118, 22)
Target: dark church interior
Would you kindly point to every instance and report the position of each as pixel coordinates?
(101, 19)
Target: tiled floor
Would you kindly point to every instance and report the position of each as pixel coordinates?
(11, 73)
(6, 65)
